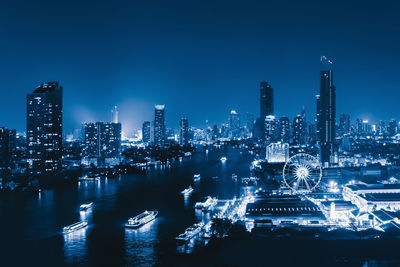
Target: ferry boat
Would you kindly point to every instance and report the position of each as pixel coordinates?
(223, 159)
(190, 232)
(141, 219)
(74, 227)
(85, 206)
(196, 177)
(187, 190)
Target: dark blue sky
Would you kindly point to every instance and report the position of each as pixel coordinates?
(200, 58)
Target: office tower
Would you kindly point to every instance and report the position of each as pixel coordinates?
(359, 126)
(299, 130)
(159, 125)
(327, 120)
(271, 129)
(249, 123)
(44, 128)
(344, 124)
(114, 115)
(312, 133)
(277, 152)
(266, 100)
(4, 148)
(234, 124)
(318, 118)
(146, 132)
(102, 140)
(184, 132)
(382, 127)
(215, 132)
(392, 129)
(284, 129)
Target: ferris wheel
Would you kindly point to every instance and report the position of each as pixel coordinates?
(302, 173)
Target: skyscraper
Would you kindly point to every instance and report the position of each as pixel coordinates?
(392, 129)
(344, 124)
(146, 132)
(271, 129)
(4, 148)
(234, 124)
(159, 125)
(284, 129)
(102, 140)
(44, 128)
(327, 111)
(114, 115)
(266, 100)
(299, 130)
(184, 132)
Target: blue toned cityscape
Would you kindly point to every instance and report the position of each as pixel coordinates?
(220, 133)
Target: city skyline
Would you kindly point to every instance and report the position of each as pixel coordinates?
(139, 74)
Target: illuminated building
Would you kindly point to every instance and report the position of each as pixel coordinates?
(102, 141)
(234, 124)
(277, 152)
(146, 132)
(284, 129)
(159, 125)
(184, 132)
(114, 114)
(266, 100)
(344, 124)
(44, 128)
(7, 146)
(392, 128)
(299, 130)
(285, 210)
(327, 112)
(271, 128)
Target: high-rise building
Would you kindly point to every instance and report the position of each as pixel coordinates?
(184, 132)
(299, 130)
(146, 132)
(284, 129)
(318, 118)
(271, 129)
(344, 124)
(4, 148)
(102, 140)
(266, 100)
(159, 125)
(44, 128)
(234, 124)
(249, 123)
(382, 127)
(114, 115)
(327, 111)
(392, 129)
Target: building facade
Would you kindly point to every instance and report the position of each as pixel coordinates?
(159, 125)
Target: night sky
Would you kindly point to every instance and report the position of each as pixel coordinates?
(199, 58)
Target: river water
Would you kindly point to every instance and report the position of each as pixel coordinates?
(31, 225)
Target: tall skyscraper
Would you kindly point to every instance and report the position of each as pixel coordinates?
(266, 100)
(327, 120)
(299, 130)
(44, 128)
(271, 129)
(146, 132)
(184, 132)
(284, 129)
(114, 115)
(234, 124)
(344, 124)
(159, 125)
(392, 129)
(102, 140)
(4, 148)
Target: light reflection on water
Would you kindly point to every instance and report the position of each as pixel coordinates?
(75, 249)
(139, 244)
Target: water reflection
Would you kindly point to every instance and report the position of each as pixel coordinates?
(75, 249)
(139, 244)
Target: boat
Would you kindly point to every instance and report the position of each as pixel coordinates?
(190, 232)
(187, 190)
(86, 178)
(141, 219)
(196, 177)
(223, 159)
(86, 206)
(74, 227)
